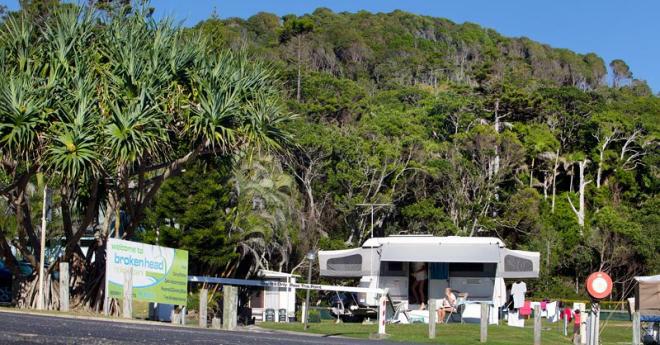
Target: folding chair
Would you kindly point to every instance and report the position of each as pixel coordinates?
(460, 302)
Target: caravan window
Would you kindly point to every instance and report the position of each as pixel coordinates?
(472, 269)
(392, 269)
(346, 263)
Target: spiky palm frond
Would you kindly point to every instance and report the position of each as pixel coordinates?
(135, 132)
(21, 116)
(17, 37)
(72, 152)
(264, 127)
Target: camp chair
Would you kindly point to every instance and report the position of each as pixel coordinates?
(457, 309)
(399, 309)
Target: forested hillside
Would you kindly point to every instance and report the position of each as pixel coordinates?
(249, 142)
(462, 130)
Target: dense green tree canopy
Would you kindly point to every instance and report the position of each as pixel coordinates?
(455, 128)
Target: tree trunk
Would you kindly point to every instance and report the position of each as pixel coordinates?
(531, 174)
(580, 213)
(26, 292)
(601, 156)
(554, 180)
(299, 67)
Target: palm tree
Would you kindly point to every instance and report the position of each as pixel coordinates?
(265, 213)
(110, 107)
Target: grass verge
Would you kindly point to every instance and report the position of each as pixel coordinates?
(615, 333)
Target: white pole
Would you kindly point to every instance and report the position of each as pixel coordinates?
(372, 221)
(371, 252)
(42, 252)
(382, 308)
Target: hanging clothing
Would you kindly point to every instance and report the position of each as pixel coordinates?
(493, 315)
(567, 314)
(518, 291)
(526, 309)
(551, 309)
(514, 319)
(499, 292)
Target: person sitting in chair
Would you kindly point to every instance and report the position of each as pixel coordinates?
(448, 304)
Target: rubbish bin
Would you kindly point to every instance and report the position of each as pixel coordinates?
(281, 315)
(269, 315)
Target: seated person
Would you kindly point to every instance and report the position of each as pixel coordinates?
(448, 304)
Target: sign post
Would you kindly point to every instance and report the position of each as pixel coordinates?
(382, 317)
(599, 286)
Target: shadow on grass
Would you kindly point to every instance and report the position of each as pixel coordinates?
(343, 334)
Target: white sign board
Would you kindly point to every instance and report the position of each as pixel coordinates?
(160, 274)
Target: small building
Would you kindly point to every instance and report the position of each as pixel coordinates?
(274, 303)
(476, 266)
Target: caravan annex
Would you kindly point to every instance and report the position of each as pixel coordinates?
(473, 265)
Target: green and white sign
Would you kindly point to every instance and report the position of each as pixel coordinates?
(160, 274)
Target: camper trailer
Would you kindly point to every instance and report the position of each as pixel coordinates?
(475, 266)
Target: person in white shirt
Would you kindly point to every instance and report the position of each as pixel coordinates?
(448, 304)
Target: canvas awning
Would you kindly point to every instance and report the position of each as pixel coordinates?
(355, 262)
(440, 252)
(648, 295)
(518, 264)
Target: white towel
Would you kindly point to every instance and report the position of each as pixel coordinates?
(553, 313)
(514, 320)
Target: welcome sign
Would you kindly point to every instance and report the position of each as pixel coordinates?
(160, 274)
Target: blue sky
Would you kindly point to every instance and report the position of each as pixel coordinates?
(629, 30)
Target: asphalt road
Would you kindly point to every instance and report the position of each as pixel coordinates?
(39, 329)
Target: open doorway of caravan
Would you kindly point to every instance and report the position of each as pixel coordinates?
(418, 284)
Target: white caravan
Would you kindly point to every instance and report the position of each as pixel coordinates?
(473, 265)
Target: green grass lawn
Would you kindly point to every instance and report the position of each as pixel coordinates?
(459, 334)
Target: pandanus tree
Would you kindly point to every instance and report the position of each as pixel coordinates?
(107, 108)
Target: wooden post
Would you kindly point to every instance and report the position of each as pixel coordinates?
(303, 310)
(203, 307)
(64, 286)
(215, 323)
(565, 325)
(230, 307)
(636, 329)
(583, 324)
(128, 294)
(483, 336)
(183, 316)
(432, 317)
(382, 316)
(537, 325)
